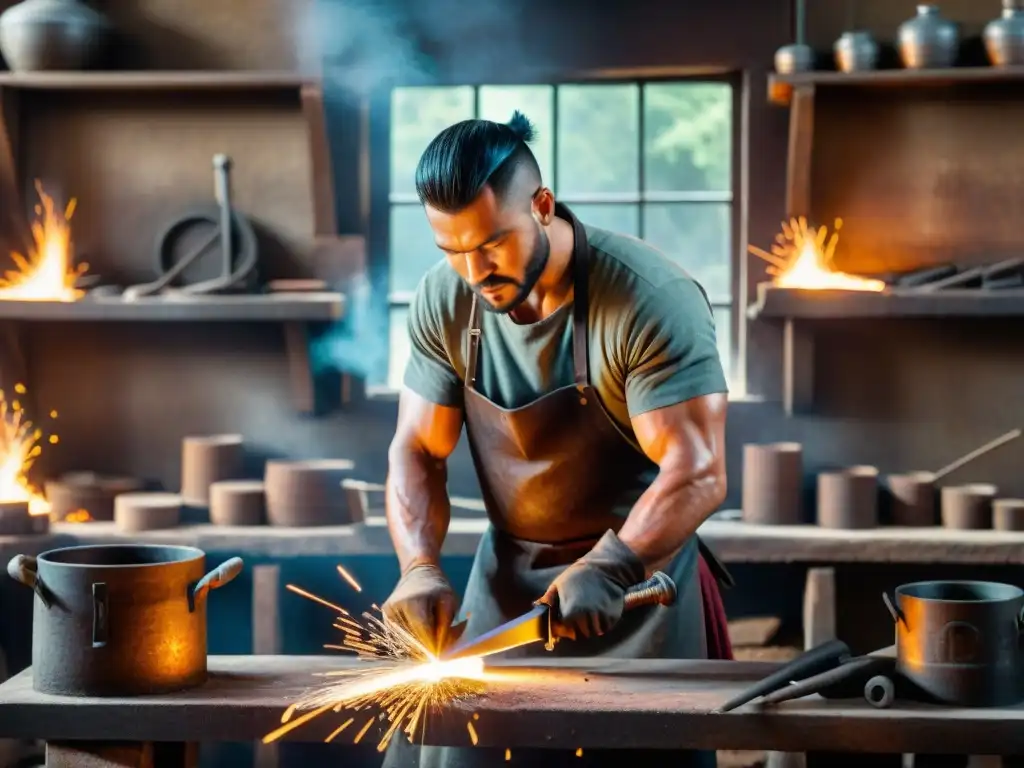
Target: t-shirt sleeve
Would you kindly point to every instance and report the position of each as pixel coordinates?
(429, 372)
(672, 353)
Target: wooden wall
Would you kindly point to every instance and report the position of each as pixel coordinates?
(901, 395)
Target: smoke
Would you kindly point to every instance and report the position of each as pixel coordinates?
(358, 344)
(361, 46)
(364, 47)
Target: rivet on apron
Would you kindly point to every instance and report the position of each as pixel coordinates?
(583, 401)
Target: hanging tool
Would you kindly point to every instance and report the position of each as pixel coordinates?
(815, 661)
(229, 227)
(535, 625)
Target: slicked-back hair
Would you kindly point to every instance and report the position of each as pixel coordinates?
(464, 158)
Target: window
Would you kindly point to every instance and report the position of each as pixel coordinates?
(650, 159)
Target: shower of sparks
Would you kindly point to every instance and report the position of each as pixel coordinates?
(405, 682)
(19, 448)
(802, 257)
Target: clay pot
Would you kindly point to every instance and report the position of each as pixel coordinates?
(968, 507)
(51, 35)
(856, 51)
(1004, 37)
(790, 59)
(928, 40)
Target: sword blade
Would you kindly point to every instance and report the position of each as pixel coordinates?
(531, 627)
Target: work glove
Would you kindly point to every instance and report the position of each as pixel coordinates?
(424, 604)
(588, 598)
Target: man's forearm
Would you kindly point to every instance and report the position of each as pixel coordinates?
(670, 511)
(418, 509)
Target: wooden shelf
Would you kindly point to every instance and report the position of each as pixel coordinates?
(780, 87)
(156, 81)
(283, 307)
(798, 308)
(784, 303)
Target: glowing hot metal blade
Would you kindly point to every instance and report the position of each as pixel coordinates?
(531, 627)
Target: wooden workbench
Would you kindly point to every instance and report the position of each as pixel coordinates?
(578, 703)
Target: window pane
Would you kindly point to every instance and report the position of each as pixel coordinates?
(498, 102)
(399, 346)
(598, 139)
(696, 236)
(723, 334)
(623, 218)
(687, 137)
(411, 242)
(417, 116)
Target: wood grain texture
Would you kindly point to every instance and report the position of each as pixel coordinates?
(589, 703)
(135, 162)
(733, 542)
(919, 179)
(775, 302)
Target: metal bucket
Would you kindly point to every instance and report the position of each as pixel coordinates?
(119, 620)
(959, 641)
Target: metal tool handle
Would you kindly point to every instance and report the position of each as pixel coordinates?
(659, 589)
(215, 579)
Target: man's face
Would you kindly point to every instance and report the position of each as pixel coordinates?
(499, 249)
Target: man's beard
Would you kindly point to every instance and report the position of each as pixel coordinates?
(534, 269)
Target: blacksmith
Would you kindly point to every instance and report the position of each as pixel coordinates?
(584, 367)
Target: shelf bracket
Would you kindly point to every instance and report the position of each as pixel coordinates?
(797, 367)
(313, 392)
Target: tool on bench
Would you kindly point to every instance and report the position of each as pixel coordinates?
(535, 625)
(237, 239)
(828, 670)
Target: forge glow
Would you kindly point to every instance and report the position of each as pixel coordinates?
(801, 257)
(47, 273)
(20, 446)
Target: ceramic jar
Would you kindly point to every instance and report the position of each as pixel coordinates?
(928, 40)
(856, 51)
(797, 57)
(51, 35)
(1004, 37)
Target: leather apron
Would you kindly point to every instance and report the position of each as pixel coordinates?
(552, 474)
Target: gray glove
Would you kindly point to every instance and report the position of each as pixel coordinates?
(588, 598)
(424, 604)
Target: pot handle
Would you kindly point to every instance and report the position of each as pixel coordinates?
(22, 568)
(896, 613)
(218, 577)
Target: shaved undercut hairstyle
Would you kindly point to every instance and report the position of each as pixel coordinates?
(465, 157)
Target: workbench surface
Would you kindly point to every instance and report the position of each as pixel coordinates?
(588, 703)
(733, 542)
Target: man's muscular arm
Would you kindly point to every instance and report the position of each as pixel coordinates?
(418, 513)
(687, 442)
(418, 509)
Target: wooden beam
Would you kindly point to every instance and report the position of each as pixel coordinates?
(324, 213)
(266, 637)
(801, 145)
(558, 703)
(819, 607)
(797, 367)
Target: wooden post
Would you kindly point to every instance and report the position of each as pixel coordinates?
(819, 607)
(266, 637)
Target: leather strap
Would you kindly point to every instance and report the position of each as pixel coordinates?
(580, 311)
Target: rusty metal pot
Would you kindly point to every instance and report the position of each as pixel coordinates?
(959, 641)
(119, 620)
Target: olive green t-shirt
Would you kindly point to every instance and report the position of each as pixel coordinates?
(651, 337)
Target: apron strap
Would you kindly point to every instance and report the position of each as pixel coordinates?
(473, 353)
(580, 305)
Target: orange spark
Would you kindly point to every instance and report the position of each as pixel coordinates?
(348, 577)
(315, 599)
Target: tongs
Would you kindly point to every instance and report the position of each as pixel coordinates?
(828, 670)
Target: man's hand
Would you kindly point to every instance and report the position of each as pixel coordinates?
(588, 598)
(424, 604)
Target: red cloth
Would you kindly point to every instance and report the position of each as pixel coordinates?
(716, 628)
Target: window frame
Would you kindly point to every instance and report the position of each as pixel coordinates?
(381, 200)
